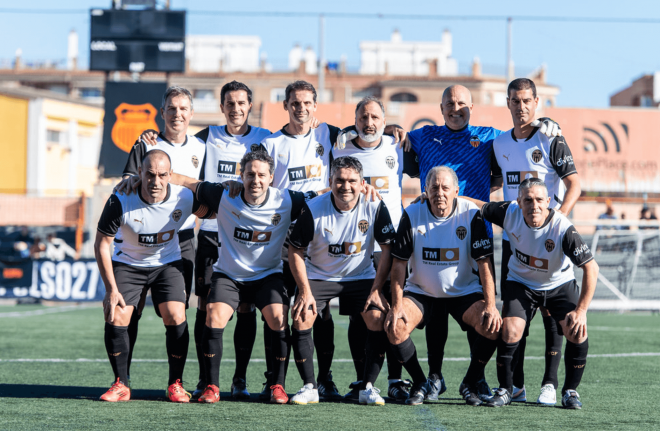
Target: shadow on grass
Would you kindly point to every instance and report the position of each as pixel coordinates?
(70, 392)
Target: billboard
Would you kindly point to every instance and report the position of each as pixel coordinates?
(614, 149)
(130, 109)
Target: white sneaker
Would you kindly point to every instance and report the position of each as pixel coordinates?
(370, 397)
(306, 395)
(548, 395)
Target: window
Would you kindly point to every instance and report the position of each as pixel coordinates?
(277, 95)
(90, 93)
(53, 136)
(403, 97)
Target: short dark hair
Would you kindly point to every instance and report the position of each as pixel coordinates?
(528, 183)
(299, 86)
(521, 84)
(155, 153)
(174, 91)
(346, 162)
(260, 156)
(234, 86)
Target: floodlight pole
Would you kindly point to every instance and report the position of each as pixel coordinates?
(321, 90)
(510, 73)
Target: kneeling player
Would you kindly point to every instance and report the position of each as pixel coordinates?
(544, 246)
(251, 230)
(445, 243)
(338, 229)
(144, 227)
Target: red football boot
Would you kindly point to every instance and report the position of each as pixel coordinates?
(117, 392)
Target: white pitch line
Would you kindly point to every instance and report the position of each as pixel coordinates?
(79, 360)
(40, 312)
(622, 328)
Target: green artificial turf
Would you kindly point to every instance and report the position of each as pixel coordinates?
(617, 392)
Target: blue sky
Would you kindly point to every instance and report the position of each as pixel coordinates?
(588, 61)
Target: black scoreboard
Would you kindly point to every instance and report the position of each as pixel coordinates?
(137, 40)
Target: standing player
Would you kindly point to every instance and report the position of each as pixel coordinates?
(522, 153)
(444, 243)
(252, 228)
(186, 153)
(339, 230)
(545, 245)
(147, 255)
(384, 163)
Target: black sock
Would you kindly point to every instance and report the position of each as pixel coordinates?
(244, 336)
(519, 363)
(394, 367)
(482, 351)
(553, 342)
(376, 345)
(212, 348)
(407, 355)
(198, 333)
(505, 352)
(324, 344)
(116, 344)
(575, 359)
(132, 337)
(268, 352)
(176, 342)
(436, 338)
(303, 353)
(280, 346)
(473, 338)
(357, 342)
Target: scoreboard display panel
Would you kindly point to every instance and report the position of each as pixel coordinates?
(137, 40)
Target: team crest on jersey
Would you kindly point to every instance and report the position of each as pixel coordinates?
(390, 162)
(549, 245)
(254, 147)
(474, 141)
(275, 219)
(461, 232)
(320, 150)
(537, 156)
(195, 161)
(176, 215)
(363, 225)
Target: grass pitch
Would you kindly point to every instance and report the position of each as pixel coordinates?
(53, 368)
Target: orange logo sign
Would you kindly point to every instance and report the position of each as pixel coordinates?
(131, 121)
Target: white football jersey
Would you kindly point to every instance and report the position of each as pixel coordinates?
(442, 253)
(539, 157)
(301, 162)
(224, 152)
(186, 159)
(382, 167)
(340, 244)
(146, 234)
(250, 237)
(542, 258)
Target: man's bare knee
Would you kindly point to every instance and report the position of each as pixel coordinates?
(374, 319)
(511, 334)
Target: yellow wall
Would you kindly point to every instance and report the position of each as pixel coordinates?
(13, 144)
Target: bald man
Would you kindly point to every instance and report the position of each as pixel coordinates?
(144, 227)
(467, 150)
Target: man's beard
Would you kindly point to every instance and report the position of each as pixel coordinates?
(373, 137)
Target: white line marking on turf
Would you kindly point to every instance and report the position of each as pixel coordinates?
(59, 360)
(43, 311)
(622, 328)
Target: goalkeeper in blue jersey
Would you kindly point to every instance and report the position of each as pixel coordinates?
(467, 150)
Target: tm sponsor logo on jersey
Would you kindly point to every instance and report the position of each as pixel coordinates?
(228, 168)
(345, 249)
(155, 239)
(440, 256)
(245, 236)
(566, 160)
(302, 173)
(382, 184)
(584, 248)
(536, 263)
(515, 178)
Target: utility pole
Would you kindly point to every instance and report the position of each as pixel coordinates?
(321, 89)
(510, 72)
